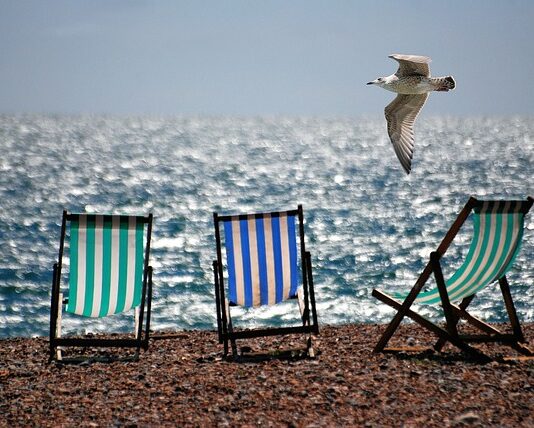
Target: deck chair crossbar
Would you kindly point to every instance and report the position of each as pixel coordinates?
(498, 229)
(261, 266)
(109, 274)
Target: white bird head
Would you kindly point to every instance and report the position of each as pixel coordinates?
(381, 81)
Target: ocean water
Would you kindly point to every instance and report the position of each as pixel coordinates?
(367, 223)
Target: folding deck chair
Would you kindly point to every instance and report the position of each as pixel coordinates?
(262, 269)
(497, 234)
(108, 274)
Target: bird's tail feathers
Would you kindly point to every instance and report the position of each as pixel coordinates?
(444, 83)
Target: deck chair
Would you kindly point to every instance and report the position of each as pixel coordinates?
(262, 258)
(108, 274)
(497, 234)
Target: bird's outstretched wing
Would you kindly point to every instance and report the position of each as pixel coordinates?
(412, 64)
(400, 115)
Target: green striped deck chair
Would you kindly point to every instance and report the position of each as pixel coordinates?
(108, 274)
(497, 235)
(261, 268)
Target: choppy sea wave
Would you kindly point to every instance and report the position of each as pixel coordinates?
(367, 224)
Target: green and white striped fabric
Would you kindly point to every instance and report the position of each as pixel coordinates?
(498, 230)
(106, 264)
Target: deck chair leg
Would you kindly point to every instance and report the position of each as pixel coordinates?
(510, 308)
(53, 314)
(136, 331)
(441, 333)
(309, 347)
(311, 293)
(456, 318)
(445, 302)
(229, 332)
(225, 335)
(148, 309)
(514, 320)
(460, 312)
(474, 321)
(402, 309)
(59, 355)
(136, 322)
(392, 326)
(450, 316)
(55, 309)
(402, 312)
(486, 328)
(491, 330)
(217, 299)
(305, 316)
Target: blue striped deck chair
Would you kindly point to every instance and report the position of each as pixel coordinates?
(497, 235)
(108, 274)
(261, 267)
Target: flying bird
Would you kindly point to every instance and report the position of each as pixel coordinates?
(412, 83)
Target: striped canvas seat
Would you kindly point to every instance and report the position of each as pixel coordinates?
(108, 274)
(266, 263)
(497, 235)
(262, 259)
(106, 264)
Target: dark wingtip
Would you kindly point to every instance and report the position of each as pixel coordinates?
(407, 166)
(451, 81)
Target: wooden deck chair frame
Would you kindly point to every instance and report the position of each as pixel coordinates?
(453, 313)
(306, 295)
(141, 332)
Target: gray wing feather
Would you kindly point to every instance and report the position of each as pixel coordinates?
(412, 64)
(400, 116)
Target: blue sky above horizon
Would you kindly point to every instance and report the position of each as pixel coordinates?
(259, 57)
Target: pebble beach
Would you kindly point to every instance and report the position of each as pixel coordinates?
(183, 380)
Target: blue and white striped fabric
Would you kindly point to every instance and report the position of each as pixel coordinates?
(261, 254)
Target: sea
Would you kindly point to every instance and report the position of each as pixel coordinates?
(368, 224)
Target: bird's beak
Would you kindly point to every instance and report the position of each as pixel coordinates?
(371, 83)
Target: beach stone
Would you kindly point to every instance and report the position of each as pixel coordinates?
(467, 418)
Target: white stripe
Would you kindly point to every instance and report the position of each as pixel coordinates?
(254, 267)
(82, 258)
(502, 240)
(130, 274)
(114, 283)
(99, 249)
(269, 255)
(238, 262)
(286, 266)
(517, 219)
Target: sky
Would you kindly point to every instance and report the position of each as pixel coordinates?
(252, 57)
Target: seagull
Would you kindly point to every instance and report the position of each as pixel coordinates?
(412, 83)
